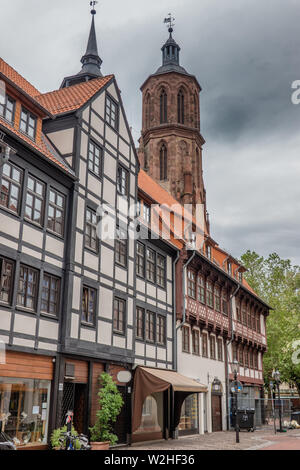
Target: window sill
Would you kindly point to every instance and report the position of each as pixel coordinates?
(99, 177)
(119, 333)
(5, 304)
(91, 250)
(35, 224)
(49, 315)
(25, 309)
(57, 235)
(121, 265)
(91, 326)
(6, 209)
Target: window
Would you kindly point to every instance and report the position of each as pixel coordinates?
(35, 194)
(212, 342)
(209, 294)
(163, 107)
(234, 352)
(186, 339)
(161, 271)
(238, 314)
(112, 112)
(50, 294)
(220, 349)
(88, 305)
(246, 358)
(7, 109)
(150, 326)
(196, 342)
(91, 230)
(28, 287)
(20, 399)
(244, 315)
(122, 181)
(56, 212)
(6, 280)
(241, 356)
(191, 284)
(249, 317)
(10, 195)
(163, 162)
(201, 289)
(95, 159)
(224, 302)
(161, 330)
(253, 322)
(140, 259)
(255, 358)
(146, 213)
(229, 268)
(208, 251)
(28, 123)
(258, 329)
(251, 359)
(217, 292)
(204, 345)
(119, 316)
(140, 313)
(121, 247)
(240, 277)
(180, 106)
(150, 265)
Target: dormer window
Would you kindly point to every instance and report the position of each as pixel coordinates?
(241, 277)
(229, 268)
(28, 123)
(208, 251)
(7, 109)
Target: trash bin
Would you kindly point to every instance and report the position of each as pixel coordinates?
(246, 419)
(295, 416)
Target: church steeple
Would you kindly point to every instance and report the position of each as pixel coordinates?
(91, 61)
(170, 52)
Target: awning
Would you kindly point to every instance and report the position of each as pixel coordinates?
(148, 381)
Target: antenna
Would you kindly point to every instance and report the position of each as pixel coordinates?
(170, 22)
(93, 4)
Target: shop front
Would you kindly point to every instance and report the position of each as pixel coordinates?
(164, 401)
(25, 389)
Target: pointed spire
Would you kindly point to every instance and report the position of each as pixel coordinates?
(91, 62)
(170, 51)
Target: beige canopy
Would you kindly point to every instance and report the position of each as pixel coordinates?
(148, 381)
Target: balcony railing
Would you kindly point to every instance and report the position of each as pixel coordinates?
(206, 314)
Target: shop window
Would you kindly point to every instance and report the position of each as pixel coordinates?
(24, 410)
(6, 280)
(189, 415)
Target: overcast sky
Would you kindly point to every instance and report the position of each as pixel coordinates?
(245, 54)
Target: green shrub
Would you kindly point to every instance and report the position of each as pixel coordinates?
(110, 403)
(58, 433)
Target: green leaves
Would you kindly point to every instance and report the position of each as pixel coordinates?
(110, 402)
(277, 282)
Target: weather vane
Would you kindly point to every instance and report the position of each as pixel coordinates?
(93, 4)
(170, 21)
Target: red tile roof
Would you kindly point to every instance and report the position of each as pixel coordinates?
(45, 147)
(73, 97)
(17, 79)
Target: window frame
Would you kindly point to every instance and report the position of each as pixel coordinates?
(161, 330)
(119, 320)
(220, 349)
(140, 259)
(3, 262)
(152, 263)
(186, 339)
(90, 290)
(56, 208)
(204, 340)
(196, 344)
(89, 224)
(114, 123)
(191, 283)
(212, 347)
(24, 293)
(29, 115)
(217, 298)
(119, 243)
(35, 196)
(161, 271)
(210, 294)
(140, 328)
(121, 171)
(57, 292)
(163, 162)
(12, 183)
(224, 299)
(3, 114)
(150, 327)
(163, 97)
(201, 291)
(94, 157)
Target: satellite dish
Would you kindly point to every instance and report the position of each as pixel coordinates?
(124, 376)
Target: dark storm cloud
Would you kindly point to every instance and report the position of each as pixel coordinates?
(245, 54)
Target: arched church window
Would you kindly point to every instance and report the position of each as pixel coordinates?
(163, 161)
(180, 106)
(163, 106)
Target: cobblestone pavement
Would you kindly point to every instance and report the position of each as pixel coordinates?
(262, 439)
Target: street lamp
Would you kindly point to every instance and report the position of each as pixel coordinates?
(276, 377)
(235, 393)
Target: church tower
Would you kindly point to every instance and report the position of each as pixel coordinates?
(171, 143)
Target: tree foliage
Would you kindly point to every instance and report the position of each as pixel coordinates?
(277, 282)
(110, 403)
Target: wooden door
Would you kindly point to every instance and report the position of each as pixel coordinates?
(216, 406)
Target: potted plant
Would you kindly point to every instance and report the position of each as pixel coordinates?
(57, 434)
(110, 403)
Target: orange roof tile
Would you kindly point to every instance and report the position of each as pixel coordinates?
(17, 79)
(73, 97)
(45, 147)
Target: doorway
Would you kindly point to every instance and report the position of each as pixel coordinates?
(216, 407)
(121, 425)
(75, 399)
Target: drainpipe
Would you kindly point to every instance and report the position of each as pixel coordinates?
(183, 288)
(227, 355)
(174, 311)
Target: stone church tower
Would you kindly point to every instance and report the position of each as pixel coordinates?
(171, 143)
